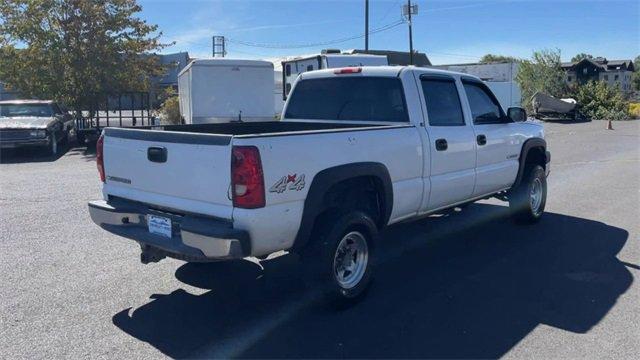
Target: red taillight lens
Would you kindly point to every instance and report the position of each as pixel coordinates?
(100, 157)
(349, 70)
(247, 182)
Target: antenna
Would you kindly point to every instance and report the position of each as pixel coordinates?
(219, 48)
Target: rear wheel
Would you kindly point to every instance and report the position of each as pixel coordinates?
(528, 200)
(341, 256)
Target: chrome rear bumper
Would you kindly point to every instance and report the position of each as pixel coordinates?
(194, 238)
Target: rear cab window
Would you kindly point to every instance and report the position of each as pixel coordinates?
(375, 99)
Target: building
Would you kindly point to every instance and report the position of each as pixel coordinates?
(174, 63)
(612, 72)
(500, 77)
(8, 94)
(396, 57)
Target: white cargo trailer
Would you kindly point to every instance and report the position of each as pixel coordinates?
(224, 90)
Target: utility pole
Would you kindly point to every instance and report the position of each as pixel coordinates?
(366, 25)
(408, 11)
(410, 33)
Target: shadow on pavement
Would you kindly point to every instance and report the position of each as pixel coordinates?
(465, 285)
(41, 155)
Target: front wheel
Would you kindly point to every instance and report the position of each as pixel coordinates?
(528, 200)
(341, 256)
(53, 144)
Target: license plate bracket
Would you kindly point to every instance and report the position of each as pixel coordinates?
(159, 225)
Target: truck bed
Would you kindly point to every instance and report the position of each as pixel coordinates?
(260, 128)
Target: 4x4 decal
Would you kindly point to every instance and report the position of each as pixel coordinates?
(288, 182)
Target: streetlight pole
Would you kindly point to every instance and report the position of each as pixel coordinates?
(410, 34)
(366, 25)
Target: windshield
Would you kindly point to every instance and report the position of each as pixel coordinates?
(348, 98)
(19, 110)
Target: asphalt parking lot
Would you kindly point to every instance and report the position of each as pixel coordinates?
(466, 285)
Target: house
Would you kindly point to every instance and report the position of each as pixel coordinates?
(499, 77)
(613, 72)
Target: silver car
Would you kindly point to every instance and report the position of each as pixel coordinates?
(38, 123)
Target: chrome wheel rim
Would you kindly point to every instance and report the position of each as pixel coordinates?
(350, 260)
(536, 196)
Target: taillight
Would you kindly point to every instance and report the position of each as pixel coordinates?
(348, 70)
(247, 182)
(100, 156)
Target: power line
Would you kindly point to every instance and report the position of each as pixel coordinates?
(317, 44)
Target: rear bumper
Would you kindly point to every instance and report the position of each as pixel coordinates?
(194, 238)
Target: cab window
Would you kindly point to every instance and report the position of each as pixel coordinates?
(485, 108)
(443, 102)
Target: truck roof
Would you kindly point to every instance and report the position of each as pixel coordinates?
(390, 71)
(26, 102)
(226, 63)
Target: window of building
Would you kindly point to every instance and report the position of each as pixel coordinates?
(568, 78)
(606, 78)
(287, 70)
(443, 102)
(585, 70)
(616, 77)
(310, 68)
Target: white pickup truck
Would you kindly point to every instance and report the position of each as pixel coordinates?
(357, 149)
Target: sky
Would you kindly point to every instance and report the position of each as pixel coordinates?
(448, 31)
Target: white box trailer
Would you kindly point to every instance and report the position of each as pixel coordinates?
(292, 68)
(224, 90)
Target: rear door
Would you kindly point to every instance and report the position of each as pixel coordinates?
(184, 171)
(451, 142)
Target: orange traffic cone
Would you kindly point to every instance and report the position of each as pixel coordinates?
(609, 125)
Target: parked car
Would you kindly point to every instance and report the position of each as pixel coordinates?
(39, 123)
(358, 149)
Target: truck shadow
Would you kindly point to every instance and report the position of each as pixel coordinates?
(466, 285)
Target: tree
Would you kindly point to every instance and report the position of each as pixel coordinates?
(600, 101)
(635, 77)
(580, 57)
(543, 73)
(69, 50)
(492, 59)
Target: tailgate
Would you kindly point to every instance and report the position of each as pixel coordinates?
(185, 171)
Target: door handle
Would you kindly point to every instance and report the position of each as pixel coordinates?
(441, 144)
(481, 139)
(157, 154)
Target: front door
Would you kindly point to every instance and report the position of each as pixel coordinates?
(497, 143)
(451, 141)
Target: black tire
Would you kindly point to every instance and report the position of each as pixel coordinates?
(53, 147)
(322, 258)
(79, 138)
(524, 209)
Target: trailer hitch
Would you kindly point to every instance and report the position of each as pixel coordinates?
(149, 254)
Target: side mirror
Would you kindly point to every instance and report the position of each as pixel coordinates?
(517, 114)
